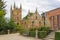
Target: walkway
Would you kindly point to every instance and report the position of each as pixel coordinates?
(15, 37)
(51, 36)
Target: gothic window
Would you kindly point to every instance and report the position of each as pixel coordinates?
(17, 18)
(39, 23)
(25, 22)
(17, 23)
(32, 23)
(36, 17)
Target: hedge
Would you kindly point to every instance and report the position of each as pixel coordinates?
(32, 33)
(42, 34)
(44, 29)
(57, 35)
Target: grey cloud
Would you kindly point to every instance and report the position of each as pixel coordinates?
(42, 5)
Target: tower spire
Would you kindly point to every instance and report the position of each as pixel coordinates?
(14, 5)
(11, 7)
(20, 6)
(36, 11)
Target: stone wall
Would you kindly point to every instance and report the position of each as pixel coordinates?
(53, 19)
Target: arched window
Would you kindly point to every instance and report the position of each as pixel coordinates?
(17, 23)
(39, 23)
(36, 17)
(32, 23)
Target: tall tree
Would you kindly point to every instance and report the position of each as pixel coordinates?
(2, 14)
(12, 26)
(43, 16)
(2, 5)
(2, 8)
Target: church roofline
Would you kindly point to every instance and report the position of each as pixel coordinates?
(52, 10)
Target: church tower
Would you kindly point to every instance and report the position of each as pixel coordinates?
(14, 6)
(11, 12)
(36, 12)
(16, 14)
(21, 11)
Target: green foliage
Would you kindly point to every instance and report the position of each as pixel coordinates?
(42, 34)
(25, 17)
(3, 25)
(32, 33)
(21, 30)
(2, 13)
(57, 35)
(2, 5)
(2, 8)
(12, 26)
(32, 29)
(44, 29)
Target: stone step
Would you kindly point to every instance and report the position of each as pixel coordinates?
(50, 36)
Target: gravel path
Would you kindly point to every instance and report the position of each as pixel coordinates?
(15, 37)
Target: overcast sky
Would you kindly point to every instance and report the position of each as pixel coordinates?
(41, 5)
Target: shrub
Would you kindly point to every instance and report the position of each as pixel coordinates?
(32, 33)
(21, 32)
(44, 29)
(3, 32)
(32, 29)
(42, 34)
(57, 35)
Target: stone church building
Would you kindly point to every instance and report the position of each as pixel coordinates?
(31, 20)
(16, 14)
(34, 19)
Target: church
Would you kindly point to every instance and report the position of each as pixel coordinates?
(31, 20)
(34, 19)
(16, 14)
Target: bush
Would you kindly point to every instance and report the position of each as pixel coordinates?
(44, 29)
(22, 31)
(42, 34)
(3, 32)
(32, 29)
(57, 35)
(32, 33)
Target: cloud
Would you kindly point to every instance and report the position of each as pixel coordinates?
(42, 5)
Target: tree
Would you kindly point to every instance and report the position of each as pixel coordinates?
(12, 26)
(2, 8)
(2, 5)
(43, 16)
(3, 26)
(3, 23)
